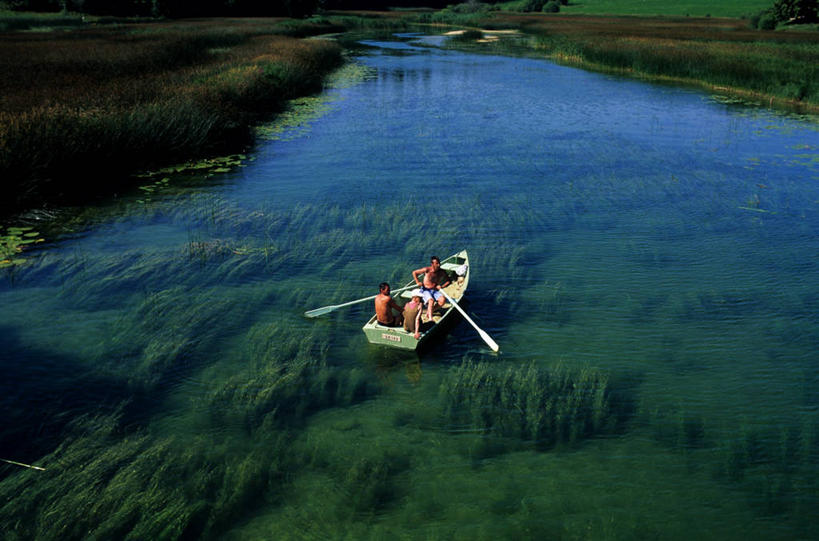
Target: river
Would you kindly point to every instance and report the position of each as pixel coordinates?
(649, 245)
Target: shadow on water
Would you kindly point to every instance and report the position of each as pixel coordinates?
(42, 393)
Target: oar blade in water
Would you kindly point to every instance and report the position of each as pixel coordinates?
(488, 339)
(320, 311)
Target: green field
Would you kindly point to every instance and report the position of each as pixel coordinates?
(692, 8)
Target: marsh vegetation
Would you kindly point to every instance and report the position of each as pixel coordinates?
(723, 54)
(96, 104)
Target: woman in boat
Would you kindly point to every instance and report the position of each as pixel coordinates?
(412, 314)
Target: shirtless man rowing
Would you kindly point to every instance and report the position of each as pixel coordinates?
(383, 305)
(435, 279)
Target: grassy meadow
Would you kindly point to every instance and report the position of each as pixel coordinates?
(101, 101)
(772, 68)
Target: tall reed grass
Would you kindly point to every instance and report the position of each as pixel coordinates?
(775, 67)
(693, 8)
(94, 104)
(14, 20)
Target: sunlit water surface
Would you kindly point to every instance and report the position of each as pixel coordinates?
(157, 362)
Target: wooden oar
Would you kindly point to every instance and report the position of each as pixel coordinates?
(486, 338)
(23, 465)
(327, 309)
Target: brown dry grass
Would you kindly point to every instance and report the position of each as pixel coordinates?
(102, 101)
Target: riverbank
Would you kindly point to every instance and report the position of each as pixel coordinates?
(92, 102)
(96, 103)
(778, 69)
(724, 55)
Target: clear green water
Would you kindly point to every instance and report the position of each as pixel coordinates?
(645, 256)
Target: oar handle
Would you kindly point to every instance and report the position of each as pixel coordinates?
(327, 309)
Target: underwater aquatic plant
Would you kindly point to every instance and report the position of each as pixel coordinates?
(545, 406)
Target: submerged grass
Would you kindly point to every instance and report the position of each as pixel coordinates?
(234, 456)
(128, 487)
(225, 383)
(547, 407)
(770, 465)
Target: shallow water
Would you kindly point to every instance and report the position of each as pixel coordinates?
(646, 244)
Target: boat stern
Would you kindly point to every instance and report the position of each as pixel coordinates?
(395, 337)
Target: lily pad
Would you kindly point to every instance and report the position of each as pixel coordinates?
(10, 262)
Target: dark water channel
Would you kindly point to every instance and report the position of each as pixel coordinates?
(646, 257)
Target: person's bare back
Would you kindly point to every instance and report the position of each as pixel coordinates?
(384, 306)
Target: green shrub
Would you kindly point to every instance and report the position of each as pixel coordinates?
(799, 11)
(767, 21)
(470, 7)
(532, 5)
(551, 7)
(469, 35)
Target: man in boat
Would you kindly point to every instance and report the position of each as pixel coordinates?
(384, 305)
(435, 279)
